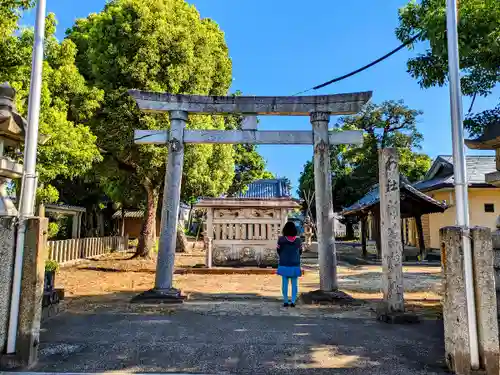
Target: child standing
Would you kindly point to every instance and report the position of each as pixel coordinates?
(289, 249)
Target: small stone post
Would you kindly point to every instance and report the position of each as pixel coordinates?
(164, 290)
(456, 331)
(324, 203)
(486, 300)
(456, 338)
(7, 251)
(495, 236)
(390, 232)
(30, 308)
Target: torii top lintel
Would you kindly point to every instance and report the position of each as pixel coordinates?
(338, 104)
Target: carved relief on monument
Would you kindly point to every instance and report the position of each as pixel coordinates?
(245, 213)
(247, 255)
(244, 255)
(269, 257)
(220, 255)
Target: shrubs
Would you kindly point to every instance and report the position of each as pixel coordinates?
(53, 230)
(51, 266)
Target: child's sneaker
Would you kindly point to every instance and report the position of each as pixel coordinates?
(292, 304)
(285, 304)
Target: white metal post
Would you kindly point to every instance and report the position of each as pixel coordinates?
(460, 174)
(28, 189)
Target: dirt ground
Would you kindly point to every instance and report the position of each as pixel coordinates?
(116, 278)
(236, 323)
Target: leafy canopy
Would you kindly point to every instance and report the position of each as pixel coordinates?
(479, 46)
(158, 45)
(67, 103)
(10, 12)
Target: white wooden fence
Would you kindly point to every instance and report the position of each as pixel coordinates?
(66, 251)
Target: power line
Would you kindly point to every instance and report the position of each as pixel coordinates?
(362, 68)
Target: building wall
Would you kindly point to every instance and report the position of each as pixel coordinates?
(133, 227)
(478, 217)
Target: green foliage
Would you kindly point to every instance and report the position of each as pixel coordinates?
(53, 230)
(47, 194)
(66, 103)
(59, 226)
(355, 168)
(476, 123)
(10, 12)
(479, 44)
(159, 45)
(51, 266)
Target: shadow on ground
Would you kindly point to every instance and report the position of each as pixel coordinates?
(215, 341)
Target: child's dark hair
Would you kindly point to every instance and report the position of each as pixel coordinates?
(290, 230)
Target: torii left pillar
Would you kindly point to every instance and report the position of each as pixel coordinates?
(164, 290)
(324, 202)
(171, 200)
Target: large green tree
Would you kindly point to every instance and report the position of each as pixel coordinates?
(67, 103)
(355, 168)
(158, 45)
(479, 45)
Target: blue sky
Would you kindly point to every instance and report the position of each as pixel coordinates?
(281, 47)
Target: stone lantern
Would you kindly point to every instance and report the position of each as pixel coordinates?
(12, 134)
(490, 140)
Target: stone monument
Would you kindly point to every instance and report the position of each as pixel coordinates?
(12, 129)
(12, 132)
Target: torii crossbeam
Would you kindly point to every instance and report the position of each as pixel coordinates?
(318, 108)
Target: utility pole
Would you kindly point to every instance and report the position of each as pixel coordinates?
(29, 181)
(460, 173)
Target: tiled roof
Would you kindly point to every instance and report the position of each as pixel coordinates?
(266, 189)
(441, 172)
(56, 206)
(137, 214)
(373, 197)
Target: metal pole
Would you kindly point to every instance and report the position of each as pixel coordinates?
(28, 188)
(460, 174)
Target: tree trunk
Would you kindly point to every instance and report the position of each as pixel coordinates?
(363, 236)
(147, 237)
(349, 230)
(190, 218)
(100, 224)
(420, 232)
(181, 244)
(122, 223)
(376, 233)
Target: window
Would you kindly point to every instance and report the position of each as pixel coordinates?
(489, 207)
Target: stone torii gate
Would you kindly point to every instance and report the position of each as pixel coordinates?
(318, 108)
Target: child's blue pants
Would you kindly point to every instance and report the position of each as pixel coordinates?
(284, 288)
